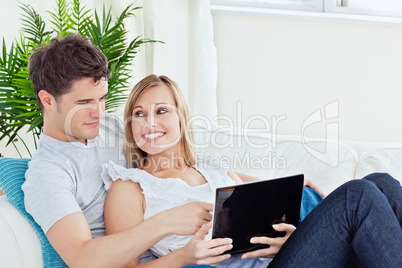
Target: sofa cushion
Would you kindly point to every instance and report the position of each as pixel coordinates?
(327, 163)
(12, 176)
(19, 244)
(381, 159)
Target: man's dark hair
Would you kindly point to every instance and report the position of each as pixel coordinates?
(56, 66)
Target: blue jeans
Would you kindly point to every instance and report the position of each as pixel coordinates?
(358, 224)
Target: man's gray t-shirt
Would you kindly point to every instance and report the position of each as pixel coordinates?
(64, 177)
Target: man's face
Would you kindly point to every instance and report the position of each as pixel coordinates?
(77, 114)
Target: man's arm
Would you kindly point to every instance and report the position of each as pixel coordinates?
(246, 178)
(72, 239)
(235, 177)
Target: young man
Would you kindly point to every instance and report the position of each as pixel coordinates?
(64, 191)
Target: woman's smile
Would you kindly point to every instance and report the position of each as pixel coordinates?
(153, 136)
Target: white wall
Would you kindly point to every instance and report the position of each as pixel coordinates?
(292, 67)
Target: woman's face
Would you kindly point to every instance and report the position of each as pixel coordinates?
(155, 121)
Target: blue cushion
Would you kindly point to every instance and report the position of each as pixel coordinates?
(12, 176)
(310, 199)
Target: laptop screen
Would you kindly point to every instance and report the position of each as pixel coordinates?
(246, 210)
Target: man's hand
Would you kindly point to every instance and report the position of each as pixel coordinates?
(274, 243)
(186, 219)
(206, 252)
(311, 185)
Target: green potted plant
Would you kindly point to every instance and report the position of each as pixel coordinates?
(18, 107)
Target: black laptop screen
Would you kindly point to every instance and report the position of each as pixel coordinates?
(248, 210)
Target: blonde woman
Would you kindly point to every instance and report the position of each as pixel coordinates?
(164, 172)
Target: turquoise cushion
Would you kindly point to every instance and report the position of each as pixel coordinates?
(310, 200)
(12, 176)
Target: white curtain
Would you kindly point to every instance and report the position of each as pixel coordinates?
(188, 55)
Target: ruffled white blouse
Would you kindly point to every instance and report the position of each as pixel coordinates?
(162, 194)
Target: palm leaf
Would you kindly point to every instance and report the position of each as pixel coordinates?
(80, 16)
(33, 25)
(59, 16)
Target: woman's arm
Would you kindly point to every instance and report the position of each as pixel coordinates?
(124, 209)
(197, 251)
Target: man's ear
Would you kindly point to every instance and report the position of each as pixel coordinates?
(48, 101)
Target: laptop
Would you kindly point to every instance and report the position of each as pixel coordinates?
(246, 210)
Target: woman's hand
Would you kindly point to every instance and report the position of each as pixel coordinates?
(275, 244)
(209, 252)
(186, 219)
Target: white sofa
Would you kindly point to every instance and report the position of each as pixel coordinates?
(327, 163)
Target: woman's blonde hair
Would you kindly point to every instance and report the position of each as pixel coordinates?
(135, 157)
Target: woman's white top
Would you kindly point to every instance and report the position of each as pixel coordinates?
(162, 194)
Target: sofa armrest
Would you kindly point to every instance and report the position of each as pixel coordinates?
(19, 244)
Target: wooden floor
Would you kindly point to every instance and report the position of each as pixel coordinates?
(1, 193)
